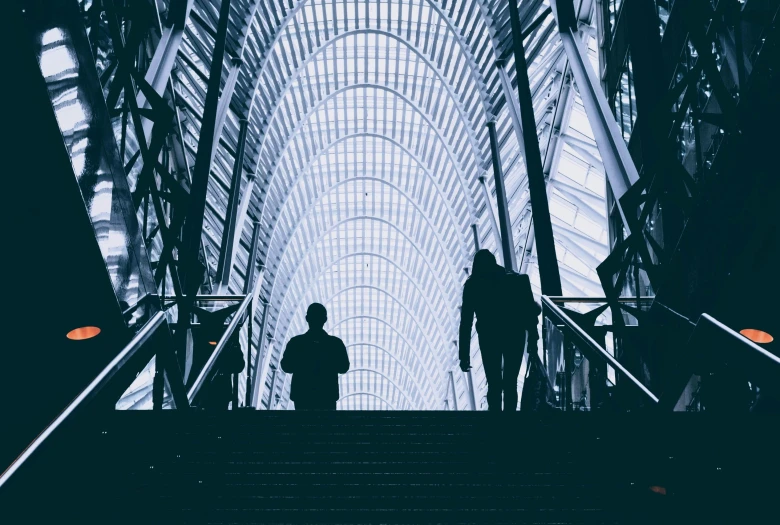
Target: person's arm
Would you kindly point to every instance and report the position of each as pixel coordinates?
(289, 362)
(342, 357)
(466, 322)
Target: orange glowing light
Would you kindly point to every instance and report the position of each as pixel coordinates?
(658, 490)
(85, 332)
(213, 343)
(757, 336)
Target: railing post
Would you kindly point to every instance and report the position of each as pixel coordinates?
(271, 392)
(259, 359)
(158, 384)
(452, 389)
(472, 398)
(234, 405)
(249, 335)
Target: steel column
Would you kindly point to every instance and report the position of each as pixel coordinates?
(225, 264)
(249, 285)
(619, 167)
(475, 233)
(193, 225)
(273, 386)
(242, 213)
(540, 210)
(507, 243)
(251, 264)
(260, 356)
(489, 209)
(250, 322)
(511, 104)
(224, 100)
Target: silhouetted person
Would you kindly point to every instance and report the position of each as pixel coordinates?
(315, 359)
(505, 308)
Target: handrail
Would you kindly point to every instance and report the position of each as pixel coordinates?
(760, 353)
(561, 299)
(734, 350)
(595, 347)
(212, 298)
(204, 372)
(89, 392)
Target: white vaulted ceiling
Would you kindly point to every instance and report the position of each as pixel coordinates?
(366, 141)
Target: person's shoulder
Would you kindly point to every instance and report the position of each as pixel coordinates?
(517, 276)
(296, 339)
(335, 339)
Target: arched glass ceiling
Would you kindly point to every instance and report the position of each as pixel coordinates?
(366, 141)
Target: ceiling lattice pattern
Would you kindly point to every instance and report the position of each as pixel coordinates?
(366, 141)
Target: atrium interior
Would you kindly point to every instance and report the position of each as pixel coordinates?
(188, 176)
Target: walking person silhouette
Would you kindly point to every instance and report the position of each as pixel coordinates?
(315, 360)
(506, 311)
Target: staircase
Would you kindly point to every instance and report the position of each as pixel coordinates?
(385, 467)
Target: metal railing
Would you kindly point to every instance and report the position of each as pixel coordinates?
(589, 347)
(89, 393)
(712, 344)
(235, 323)
(453, 392)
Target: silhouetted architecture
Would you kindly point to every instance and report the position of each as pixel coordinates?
(315, 359)
(198, 173)
(506, 311)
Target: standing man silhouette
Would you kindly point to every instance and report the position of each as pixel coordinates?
(505, 308)
(315, 359)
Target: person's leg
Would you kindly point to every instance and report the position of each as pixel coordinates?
(491, 361)
(513, 359)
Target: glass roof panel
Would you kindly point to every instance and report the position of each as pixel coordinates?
(366, 140)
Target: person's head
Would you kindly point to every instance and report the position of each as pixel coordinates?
(484, 263)
(316, 315)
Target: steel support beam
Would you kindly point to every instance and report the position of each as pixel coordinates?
(193, 225)
(225, 264)
(619, 166)
(260, 356)
(224, 100)
(251, 264)
(249, 286)
(273, 387)
(507, 243)
(489, 209)
(190, 269)
(511, 104)
(475, 233)
(242, 214)
(540, 210)
(165, 53)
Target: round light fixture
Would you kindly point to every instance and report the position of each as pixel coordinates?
(85, 332)
(757, 336)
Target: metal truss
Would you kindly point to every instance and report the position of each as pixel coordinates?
(340, 130)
